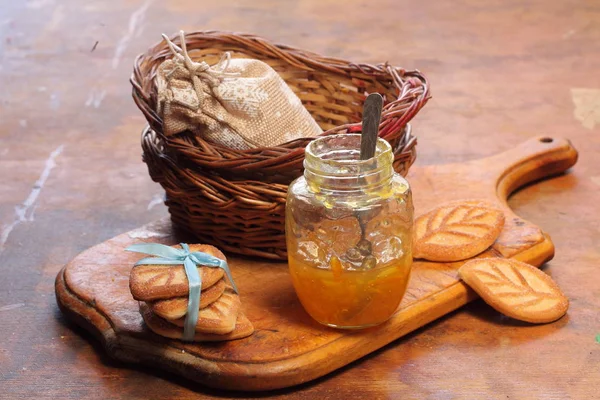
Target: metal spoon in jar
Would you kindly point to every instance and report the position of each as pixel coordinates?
(368, 145)
(370, 125)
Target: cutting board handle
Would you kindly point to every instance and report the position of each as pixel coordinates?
(537, 158)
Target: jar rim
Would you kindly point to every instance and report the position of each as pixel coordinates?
(314, 151)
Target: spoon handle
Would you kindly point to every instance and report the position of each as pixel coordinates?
(370, 125)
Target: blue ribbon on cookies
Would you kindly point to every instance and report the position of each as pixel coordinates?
(167, 255)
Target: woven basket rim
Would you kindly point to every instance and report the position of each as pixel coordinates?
(284, 51)
(410, 141)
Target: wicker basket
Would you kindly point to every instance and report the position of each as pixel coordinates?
(236, 199)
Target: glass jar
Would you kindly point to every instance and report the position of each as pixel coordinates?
(349, 233)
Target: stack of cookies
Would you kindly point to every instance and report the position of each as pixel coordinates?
(163, 294)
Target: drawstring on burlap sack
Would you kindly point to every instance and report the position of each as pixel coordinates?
(198, 71)
(238, 103)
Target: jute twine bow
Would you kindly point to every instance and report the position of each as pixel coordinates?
(199, 71)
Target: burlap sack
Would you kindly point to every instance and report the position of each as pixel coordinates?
(238, 103)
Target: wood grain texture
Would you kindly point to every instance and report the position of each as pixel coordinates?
(501, 72)
(288, 348)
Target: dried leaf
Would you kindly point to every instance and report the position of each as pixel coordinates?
(516, 289)
(457, 231)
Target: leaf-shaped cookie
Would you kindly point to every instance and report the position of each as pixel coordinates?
(177, 307)
(456, 231)
(516, 289)
(219, 317)
(155, 282)
(243, 327)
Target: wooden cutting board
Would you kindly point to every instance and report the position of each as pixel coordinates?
(288, 347)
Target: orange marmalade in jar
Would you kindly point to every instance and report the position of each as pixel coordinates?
(349, 231)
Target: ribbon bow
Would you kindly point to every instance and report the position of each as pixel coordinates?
(167, 255)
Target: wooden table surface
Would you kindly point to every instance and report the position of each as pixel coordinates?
(71, 176)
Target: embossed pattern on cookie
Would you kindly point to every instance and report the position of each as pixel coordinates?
(177, 307)
(515, 289)
(456, 231)
(219, 317)
(154, 282)
(160, 326)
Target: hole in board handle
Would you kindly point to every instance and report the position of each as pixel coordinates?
(546, 140)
